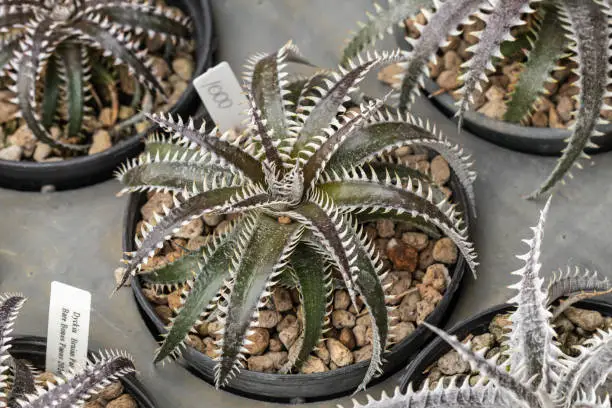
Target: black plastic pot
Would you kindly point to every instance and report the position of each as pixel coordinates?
(527, 139)
(299, 387)
(33, 349)
(478, 324)
(86, 170)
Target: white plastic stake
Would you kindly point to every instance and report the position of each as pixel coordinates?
(68, 327)
(222, 95)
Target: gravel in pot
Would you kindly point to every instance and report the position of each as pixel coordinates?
(487, 330)
(114, 124)
(126, 393)
(425, 276)
(543, 133)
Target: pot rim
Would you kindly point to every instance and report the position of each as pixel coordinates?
(36, 346)
(401, 351)
(204, 53)
(475, 324)
(529, 139)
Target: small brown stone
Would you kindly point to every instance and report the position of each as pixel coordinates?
(347, 338)
(403, 256)
(342, 300)
(259, 341)
(275, 344)
(400, 331)
(495, 93)
(452, 61)
(539, 119)
(495, 109)
(193, 229)
(423, 310)
(385, 228)
(155, 205)
(287, 321)
(553, 119)
(408, 307)
(426, 256)
(322, 352)
(46, 377)
(183, 68)
(417, 240)
(589, 320)
(289, 335)
(124, 401)
(268, 362)
(153, 297)
(342, 318)
(388, 73)
(282, 299)
(339, 354)
(211, 347)
(445, 251)
(284, 220)
(440, 171)
(448, 80)
(359, 332)
(214, 328)
(101, 141)
(363, 354)
(451, 364)
(437, 276)
(268, 319)
(565, 106)
(202, 329)
(196, 342)
(313, 365)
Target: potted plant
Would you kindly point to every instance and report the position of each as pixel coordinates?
(293, 186)
(78, 77)
(526, 354)
(560, 36)
(107, 380)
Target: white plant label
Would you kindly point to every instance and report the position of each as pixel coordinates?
(68, 327)
(222, 95)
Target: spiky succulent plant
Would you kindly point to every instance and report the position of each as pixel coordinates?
(298, 174)
(19, 387)
(581, 27)
(46, 47)
(537, 373)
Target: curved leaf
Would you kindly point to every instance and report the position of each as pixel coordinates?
(389, 132)
(211, 265)
(221, 200)
(504, 15)
(38, 44)
(148, 18)
(392, 195)
(254, 266)
(322, 115)
(577, 285)
(543, 57)
(188, 135)
(51, 95)
(23, 382)
(72, 66)
(316, 291)
(382, 21)
(588, 27)
(174, 273)
(447, 17)
(109, 44)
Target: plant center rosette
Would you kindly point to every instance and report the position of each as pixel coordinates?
(295, 188)
(79, 76)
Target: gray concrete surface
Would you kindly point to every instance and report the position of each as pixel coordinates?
(75, 236)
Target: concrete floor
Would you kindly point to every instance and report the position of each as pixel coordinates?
(75, 236)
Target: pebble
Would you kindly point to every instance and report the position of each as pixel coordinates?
(343, 318)
(313, 365)
(445, 251)
(339, 354)
(403, 256)
(359, 332)
(448, 79)
(101, 141)
(183, 67)
(112, 391)
(440, 171)
(400, 331)
(417, 240)
(191, 230)
(212, 220)
(289, 334)
(12, 153)
(342, 300)
(260, 340)
(495, 109)
(268, 319)
(363, 354)
(24, 138)
(452, 61)
(155, 205)
(282, 299)
(437, 277)
(388, 73)
(589, 320)
(41, 152)
(565, 106)
(347, 338)
(124, 401)
(385, 228)
(7, 111)
(495, 93)
(267, 363)
(451, 364)
(106, 117)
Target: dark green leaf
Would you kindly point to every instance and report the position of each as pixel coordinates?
(72, 61)
(51, 95)
(23, 382)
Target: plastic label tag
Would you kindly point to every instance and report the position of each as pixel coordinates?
(222, 96)
(68, 327)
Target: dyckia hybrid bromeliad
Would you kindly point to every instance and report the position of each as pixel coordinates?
(18, 386)
(580, 26)
(537, 374)
(306, 158)
(49, 41)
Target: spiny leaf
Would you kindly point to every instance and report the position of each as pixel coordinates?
(51, 95)
(543, 57)
(381, 22)
(504, 15)
(588, 26)
(316, 291)
(72, 63)
(448, 16)
(251, 275)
